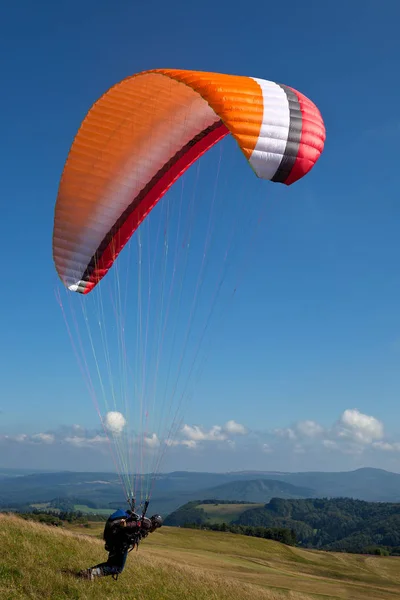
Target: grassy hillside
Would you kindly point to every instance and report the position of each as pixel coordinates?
(175, 564)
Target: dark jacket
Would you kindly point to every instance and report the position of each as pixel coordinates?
(124, 530)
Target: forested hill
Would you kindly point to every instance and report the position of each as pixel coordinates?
(258, 490)
(340, 524)
(332, 524)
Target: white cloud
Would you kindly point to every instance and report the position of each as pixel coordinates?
(197, 434)
(355, 437)
(191, 436)
(21, 437)
(358, 427)
(235, 428)
(387, 446)
(187, 443)
(330, 444)
(85, 441)
(352, 434)
(45, 438)
(287, 433)
(152, 441)
(266, 448)
(172, 443)
(115, 422)
(309, 429)
(301, 429)
(75, 436)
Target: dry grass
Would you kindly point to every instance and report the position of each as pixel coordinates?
(179, 564)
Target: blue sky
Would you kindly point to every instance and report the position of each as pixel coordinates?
(314, 329)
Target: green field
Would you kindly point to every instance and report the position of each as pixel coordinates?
(38, 561)
(92, 511)
(225, 513)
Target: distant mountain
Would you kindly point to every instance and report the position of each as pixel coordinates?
(257, 490)
(375, 485)
(43, 487)
(4, 472)
(171, 490)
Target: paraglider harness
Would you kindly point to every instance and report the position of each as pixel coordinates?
(117, 537)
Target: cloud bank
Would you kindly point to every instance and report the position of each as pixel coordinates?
(354, 439)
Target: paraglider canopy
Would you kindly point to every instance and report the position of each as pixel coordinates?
(142, 134)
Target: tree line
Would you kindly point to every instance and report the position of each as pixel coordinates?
(58, 518)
